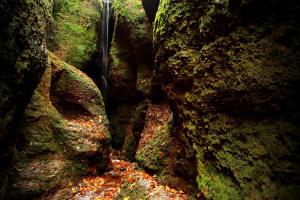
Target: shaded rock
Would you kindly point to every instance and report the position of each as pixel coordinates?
(231, 79)
(120, 122)
(162, 152)
(134, 130)
(22, 59)
(155, 143)
(56, 146)
(150, 7)
(131, 52)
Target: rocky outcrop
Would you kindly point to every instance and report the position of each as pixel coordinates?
(161, 152)
(130, 67)
(64, 134)
(74, 32)
(155, 143)
(131, 52)
(230, 76)
(134, 131)
(22, 59)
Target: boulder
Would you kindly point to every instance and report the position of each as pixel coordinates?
(74, 33)
(64, 134)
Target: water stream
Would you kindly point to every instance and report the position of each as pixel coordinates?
(105, 47)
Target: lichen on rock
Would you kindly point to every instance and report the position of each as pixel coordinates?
(23, 58)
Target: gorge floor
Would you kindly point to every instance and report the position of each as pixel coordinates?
(108, 185)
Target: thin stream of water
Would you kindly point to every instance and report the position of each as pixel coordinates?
(105, 47)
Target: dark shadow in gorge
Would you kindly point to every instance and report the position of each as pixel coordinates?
(93, 68)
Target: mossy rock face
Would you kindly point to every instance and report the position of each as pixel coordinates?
(139, 192)
(74, 32)
(55, 148)
(134, 130)
(155, 143)
(231, 77)
(74, 91)
(131, 51)
(23, 59)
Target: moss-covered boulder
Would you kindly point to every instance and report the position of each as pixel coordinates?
(74, 32)
(58, 144)
(22, 59)
(131, 51)
(155, 143)
(231, 77)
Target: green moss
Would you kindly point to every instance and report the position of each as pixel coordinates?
(74, 33)
(133, 12)
(232, 84)
(139, 192)
(155, 153)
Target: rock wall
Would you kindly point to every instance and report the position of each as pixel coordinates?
(63, 135)
(23, 59)
(131, 64)
(230, 70)
(74, 34)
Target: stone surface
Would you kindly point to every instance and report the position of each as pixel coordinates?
(231, 77)
(57, 144)
(22, 59)
(131, 52)
(130, 70)
(74, 34)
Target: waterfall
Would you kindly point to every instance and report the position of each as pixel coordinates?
(105, 47)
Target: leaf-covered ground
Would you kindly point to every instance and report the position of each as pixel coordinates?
(124, 176)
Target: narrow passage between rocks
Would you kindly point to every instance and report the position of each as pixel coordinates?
(108, 185)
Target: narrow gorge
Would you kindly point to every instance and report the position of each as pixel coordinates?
(149, 99)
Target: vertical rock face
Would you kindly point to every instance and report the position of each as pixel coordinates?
(63, 134)
(131, 64)
(131, 51)
(230, 70)
(22, 59)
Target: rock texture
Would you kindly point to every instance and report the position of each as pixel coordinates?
(130, 67)
(63, 135)
(230, 70)
(131, 52)
(22, 59)
(74, 34)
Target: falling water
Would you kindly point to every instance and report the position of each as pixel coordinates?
(105, 47)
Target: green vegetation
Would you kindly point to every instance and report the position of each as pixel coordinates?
(154, 154)
(231, 85)
(74, 34)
